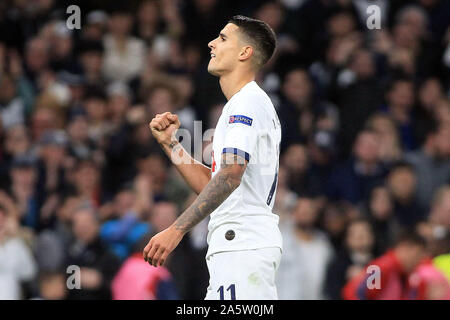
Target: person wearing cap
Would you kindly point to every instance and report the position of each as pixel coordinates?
(74, 84)
(95, 25)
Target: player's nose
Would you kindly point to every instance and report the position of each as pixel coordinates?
(211, 44)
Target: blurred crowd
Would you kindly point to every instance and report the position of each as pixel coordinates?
(365, 156)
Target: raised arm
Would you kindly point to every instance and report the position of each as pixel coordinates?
(227, 179)
(163, 126)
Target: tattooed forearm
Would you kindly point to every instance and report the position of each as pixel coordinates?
(173, 144)
(214, 194)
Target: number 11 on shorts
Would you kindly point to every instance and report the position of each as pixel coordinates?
(231, 288)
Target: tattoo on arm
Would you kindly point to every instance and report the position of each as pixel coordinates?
(173, 144)
(214, 194)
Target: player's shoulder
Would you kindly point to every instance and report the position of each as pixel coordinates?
(254, 92)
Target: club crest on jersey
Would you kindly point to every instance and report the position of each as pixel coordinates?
(241, 119)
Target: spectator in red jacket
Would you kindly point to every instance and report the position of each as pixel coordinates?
(395, 267)
(427, 282)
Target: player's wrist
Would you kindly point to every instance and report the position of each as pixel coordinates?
(178, 231)
(172, 143)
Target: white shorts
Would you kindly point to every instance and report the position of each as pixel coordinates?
(243, 275)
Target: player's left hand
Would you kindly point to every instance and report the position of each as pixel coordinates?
(161, 245)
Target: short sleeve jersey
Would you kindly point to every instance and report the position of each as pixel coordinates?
(248, 127)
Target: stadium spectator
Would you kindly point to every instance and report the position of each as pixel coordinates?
(300, 177)
(334, 218)
(442, 112)
(85, 181)
(61, 43)
(51, 167)
(122, 233)
(49, 250)
(43, 119)
(136, 281)
(37, 59)
(91, 61)
(431, 163)
(358, 251)
(322, 150)
(428, 283)
(119, 98)
(361, 173)
(12, 107)
(52, 286)
(97, 263)
(301, 108)
(96, 110)
(306, 254)
(390, 144)
(381, 213)
(16, 261)
(95, 28)
(402, 184)
(17, 142)
(23, 190)
(400, 102)
(124, 54)
(80, 145)
(440, 208)
(356, 88)
(394, 269)
(430, 93)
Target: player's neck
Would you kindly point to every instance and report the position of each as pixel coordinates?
(232, 82)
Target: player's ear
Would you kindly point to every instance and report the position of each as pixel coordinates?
(246, 53)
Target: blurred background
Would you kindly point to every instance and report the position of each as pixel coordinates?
(365, 149)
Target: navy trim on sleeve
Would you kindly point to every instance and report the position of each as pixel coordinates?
(238, 152)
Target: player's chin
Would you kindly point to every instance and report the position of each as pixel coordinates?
(213, 70)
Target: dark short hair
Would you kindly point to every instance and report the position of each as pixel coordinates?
(402, 164)
(259, 34)
(410, 236)
(397, 79)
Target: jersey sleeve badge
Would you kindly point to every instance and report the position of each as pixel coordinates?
(240, 119)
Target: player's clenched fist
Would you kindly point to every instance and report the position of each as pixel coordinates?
(163, 127)
(161, 245)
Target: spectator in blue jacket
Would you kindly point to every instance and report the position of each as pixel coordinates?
(354, 179)
(125, 231)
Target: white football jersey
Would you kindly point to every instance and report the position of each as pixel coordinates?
(248, 126)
